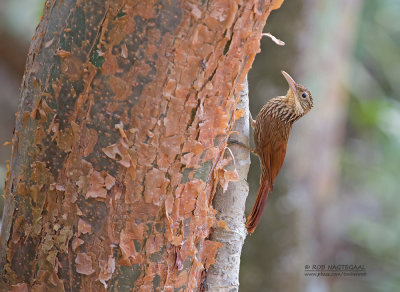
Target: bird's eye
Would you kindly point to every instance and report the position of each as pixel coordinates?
(304, 95)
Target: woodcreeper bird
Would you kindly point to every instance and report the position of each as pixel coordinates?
(271, 134)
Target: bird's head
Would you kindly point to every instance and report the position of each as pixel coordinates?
(298, 96)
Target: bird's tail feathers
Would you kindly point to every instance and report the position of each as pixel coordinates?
(256, 212)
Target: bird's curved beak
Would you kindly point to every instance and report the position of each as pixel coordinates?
(289, 80)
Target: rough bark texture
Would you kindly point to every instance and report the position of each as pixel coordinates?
(230, 204)
(125, 111)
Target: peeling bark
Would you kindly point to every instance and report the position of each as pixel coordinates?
(230, 204)
(125, 111)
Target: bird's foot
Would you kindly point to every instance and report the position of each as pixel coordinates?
(232, 141)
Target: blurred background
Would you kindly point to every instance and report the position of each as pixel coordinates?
(336, 199)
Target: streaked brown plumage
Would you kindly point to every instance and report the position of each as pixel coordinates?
(271, 134)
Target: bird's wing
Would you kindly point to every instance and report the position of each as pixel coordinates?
(277, 156)
(272, 158)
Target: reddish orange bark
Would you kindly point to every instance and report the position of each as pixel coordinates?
(125, 111)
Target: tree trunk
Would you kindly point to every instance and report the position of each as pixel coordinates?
(125, 111)
(230, 204)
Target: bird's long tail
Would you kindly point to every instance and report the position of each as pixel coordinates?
(256, 212)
